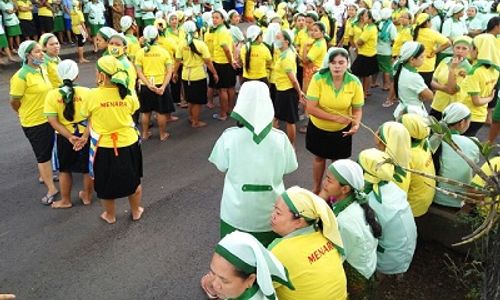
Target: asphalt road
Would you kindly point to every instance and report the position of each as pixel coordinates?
(72, 254)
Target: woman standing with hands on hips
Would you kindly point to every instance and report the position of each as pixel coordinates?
(334, 100)
(28, 89)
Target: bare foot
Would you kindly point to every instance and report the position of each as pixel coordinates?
(83, 61)
(86, 200)
(136, 216)
(146, 136)
(107, 218)
(172, 119)
(199, 124)
(164, 137)
(61, 204)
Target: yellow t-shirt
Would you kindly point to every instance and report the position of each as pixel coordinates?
(355, 32)
(176, 37)
(133, 46)
(52, 63)
(481, 83)
(155, 63)
(222, 37)
(314, 267)
(77, 19)
(43, 11)
(317, 52)
(54, 107)
(24, 15)
(350, 95)
(286, 63)
(168, 44)
(431, 40)
(193, 64)
(259, 60)
(108, 113)
(300, 38)
(396, 15)
(421, 190)
(274, 65)
(479, 182)
(30, 86)
(404, 35)
(369, 36)
(441, 99)
(347, 32)
(208, 38)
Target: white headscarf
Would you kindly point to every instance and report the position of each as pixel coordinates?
(150, 33)
(333, 51)
(385, 13)
(408, 50)
(67, 69)
(455, 112)
(253, 32)
(189, 28)
(126, 22)
(270, 35)
(455, 9)
(107, 32)
(254, 109)
(25, 48)
(348, 172)
(248, 255)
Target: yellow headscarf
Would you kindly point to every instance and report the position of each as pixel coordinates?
(378, 171)
(422, 18)
(312, 208)
(397, 142)
(417, 128)
(487, 51)
(113, 68)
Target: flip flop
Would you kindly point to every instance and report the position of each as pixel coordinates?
(218, 117)
(387, 103)
(48, 199)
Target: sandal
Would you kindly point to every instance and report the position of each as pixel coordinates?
(218, 117)
(388, 103)
(48, 199)
(55, 178)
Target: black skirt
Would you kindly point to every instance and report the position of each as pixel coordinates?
(117, 176)
(150, 101)
(28, 28)
(328, 144)
(286, 106)
(365, 66)
(195, 91)
(41, 138)
(72, 161)
(227, 76)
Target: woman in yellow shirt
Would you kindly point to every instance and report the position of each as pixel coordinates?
(28, 89)
(255, 57)
(334, 101)
(51, 47)
(405, 34)
(421, 190)
(175, 35)
(313, 53)
(154, 69)
(480, 84)
(448, 76)
(79, 30)
(62, 108)
(115, 155)
(129, 27)
(400, 7)
(352, 8)
(311, 254)
(366, 63)
(434, 43)
(194, 55)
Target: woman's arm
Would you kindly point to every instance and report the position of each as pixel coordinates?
(211, 68)
(426, 95)
(357, 113)
(15, 104)
(479, 101)
(313, 109)
(145, 80)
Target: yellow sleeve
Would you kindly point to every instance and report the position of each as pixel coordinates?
(358, 100)
(50, 105)
(470, 85)
(139, 57)
(439, 69)
(313, 91)
(225, 38)
(134, 104)
(439, 38)
(17, 86)
(168, 59)
(268, 55)
(314, 52)
(178, 52)
(287, 65)
(88, 104)
(365, 34)
(81, 18)
(203, 49)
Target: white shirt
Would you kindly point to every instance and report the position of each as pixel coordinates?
(452, 29)
(339, 12)
(96, 13)
(254, 176)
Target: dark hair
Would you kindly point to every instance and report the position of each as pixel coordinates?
(239, 273)
(331, 22)
(223, 19)
(192, 46)
(399, 4)
(122, 91)
(417, 29)
(371, 219)
(69, 107)
(492, 23)
(400, 67)
(248, 54)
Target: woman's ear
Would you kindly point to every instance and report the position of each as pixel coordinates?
(251, 280)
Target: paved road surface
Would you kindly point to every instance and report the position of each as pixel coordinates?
(72, 254)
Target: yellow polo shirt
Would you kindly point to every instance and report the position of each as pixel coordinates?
(177, 37)
(431, 40)
(404, 35)
(44, 11)
(481, 82)
(369, 36)
(317, 52)
(300, 38)
(350, 95)
(54, 107)
(30, 86)
(441, 99)
(421, 190)
(155, 63)
(347, 32)
(52, 63)
(355, 32)
(286, 63)
(208, 38)
(108, 113)
(77, 19)
(259, 60)
(24, 15)
(193, 64)
(168, 44)
(133, 46)
(314, 266)
(222, 37)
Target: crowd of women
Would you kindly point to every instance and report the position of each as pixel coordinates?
(359, 218)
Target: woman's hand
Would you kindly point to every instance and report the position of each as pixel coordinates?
(455, 61)
(160, 90)
(80, 143)
(216, 77)
(175, 77)
(352, 131)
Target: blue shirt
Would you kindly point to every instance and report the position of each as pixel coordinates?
(69, 5)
